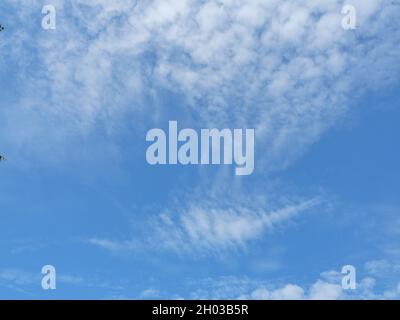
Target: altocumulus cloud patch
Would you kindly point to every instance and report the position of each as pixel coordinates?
(284, 68)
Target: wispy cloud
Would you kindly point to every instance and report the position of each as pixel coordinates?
(205, 227)
(28, 282)
(114, 245)
(208, 223)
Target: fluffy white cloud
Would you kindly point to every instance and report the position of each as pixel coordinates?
(248, 289)
(288, 292)
(325, 291)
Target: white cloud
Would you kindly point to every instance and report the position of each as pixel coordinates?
(325, 291)
(250, 289)
(327, 287)
(332, 276)
(285, 67)
(290, 64)
(288, 292)
(205, 227)
(382, 267)
(113, 245)
(150, 294)
(393, 293)
(27, 282)
(377, 266)
(320, 290)
(18, 277)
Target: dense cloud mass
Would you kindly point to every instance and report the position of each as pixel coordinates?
(287, 68)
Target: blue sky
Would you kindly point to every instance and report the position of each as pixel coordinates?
(76, 191)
